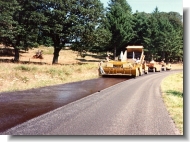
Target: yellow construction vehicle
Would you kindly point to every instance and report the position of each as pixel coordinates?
(154, 66)
(131, 63)
(158, 66)
(165, 66)
(168, 66)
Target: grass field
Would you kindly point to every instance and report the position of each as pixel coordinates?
(33, 73)
(172, 88)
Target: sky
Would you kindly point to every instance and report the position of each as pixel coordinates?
(149, 6)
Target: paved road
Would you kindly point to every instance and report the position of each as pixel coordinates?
(21, 106)
(133, 107)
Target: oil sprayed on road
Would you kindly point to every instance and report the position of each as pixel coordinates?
(21, 106)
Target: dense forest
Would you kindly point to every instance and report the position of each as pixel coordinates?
(86, 25)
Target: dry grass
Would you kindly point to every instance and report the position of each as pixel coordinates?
(65, 56)
(71, 68)
(20, 77)
(172, 88)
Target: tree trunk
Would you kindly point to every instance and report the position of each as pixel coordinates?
(166, 57)
(16, 56)
(114, 53)
(179, 59)
(56, 55)
(163, 56)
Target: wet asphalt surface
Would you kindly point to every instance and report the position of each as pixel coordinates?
(21, 106)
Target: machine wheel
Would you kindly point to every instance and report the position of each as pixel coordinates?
(158, 70)
(154, 69)
(140, 72)
(146, 71)
(137, 72)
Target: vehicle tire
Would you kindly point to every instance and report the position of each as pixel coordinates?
(137, 72)
(154, 69)
(140, 72)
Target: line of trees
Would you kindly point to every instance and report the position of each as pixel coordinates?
(88, 26)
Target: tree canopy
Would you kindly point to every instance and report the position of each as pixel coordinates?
(18, 28)
(119, 19)
(71, 21)
(88, 26)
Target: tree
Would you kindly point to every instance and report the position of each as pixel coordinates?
(9, 28)
(123, 4)
(171, 41)
(164, 38)
(89, 31)
(17, 25)
(71, 21)
(120, 24)
(94, 42)
(102, 39)
(176, 35)
(141, 24)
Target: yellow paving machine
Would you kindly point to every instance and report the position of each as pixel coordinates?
(130, 63)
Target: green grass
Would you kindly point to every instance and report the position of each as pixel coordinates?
(172, 88)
